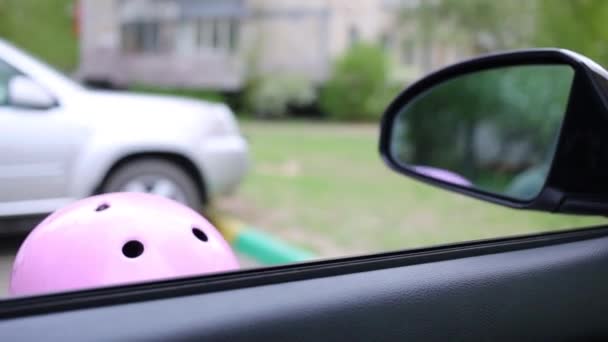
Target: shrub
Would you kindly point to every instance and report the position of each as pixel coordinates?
(358, 87)
(270, 96)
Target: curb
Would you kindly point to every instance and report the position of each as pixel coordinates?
(260, 246)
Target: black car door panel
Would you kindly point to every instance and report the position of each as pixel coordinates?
(545, 287)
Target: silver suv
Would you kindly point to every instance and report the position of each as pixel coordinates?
(60, 142)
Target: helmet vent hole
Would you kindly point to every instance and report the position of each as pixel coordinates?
(200, 234)
(102, 207)
(133, 249)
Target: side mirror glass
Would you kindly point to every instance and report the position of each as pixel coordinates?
(496, 128)
(517, 129)
(24, 92)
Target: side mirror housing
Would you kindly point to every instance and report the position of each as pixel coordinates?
(24, 92)
(525, 129)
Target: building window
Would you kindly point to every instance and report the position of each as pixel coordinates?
(408, 52)
(353, 35)
(223, 33)
(204, 33)
(219, 34)
(233, 34)
(141, 37)
(387, 41)
(188, 37)
(148, 37)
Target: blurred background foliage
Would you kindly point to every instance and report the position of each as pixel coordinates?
(578, 25)
(486, 25)
(361, 77)
(270, 96)
(358, 88)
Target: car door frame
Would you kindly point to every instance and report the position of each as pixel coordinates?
(543, 286)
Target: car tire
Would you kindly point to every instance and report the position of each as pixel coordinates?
(156, 176)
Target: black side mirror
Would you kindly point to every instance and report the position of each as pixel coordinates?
(525, 129)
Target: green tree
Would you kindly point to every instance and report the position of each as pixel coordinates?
(358, 87)
(579, 25)
(479, 26)
(486, 26)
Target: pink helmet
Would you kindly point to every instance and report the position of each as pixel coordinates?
(444, 175)
(115, 239)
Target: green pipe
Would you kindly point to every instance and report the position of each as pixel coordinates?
(267, 249)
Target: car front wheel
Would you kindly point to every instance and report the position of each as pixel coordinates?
(155, 176)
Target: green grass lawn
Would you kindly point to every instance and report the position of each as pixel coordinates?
(323, 187)
(43, 28)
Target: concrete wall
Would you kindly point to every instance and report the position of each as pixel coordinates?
(103, 58)
(288, 36)
(99, 39)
